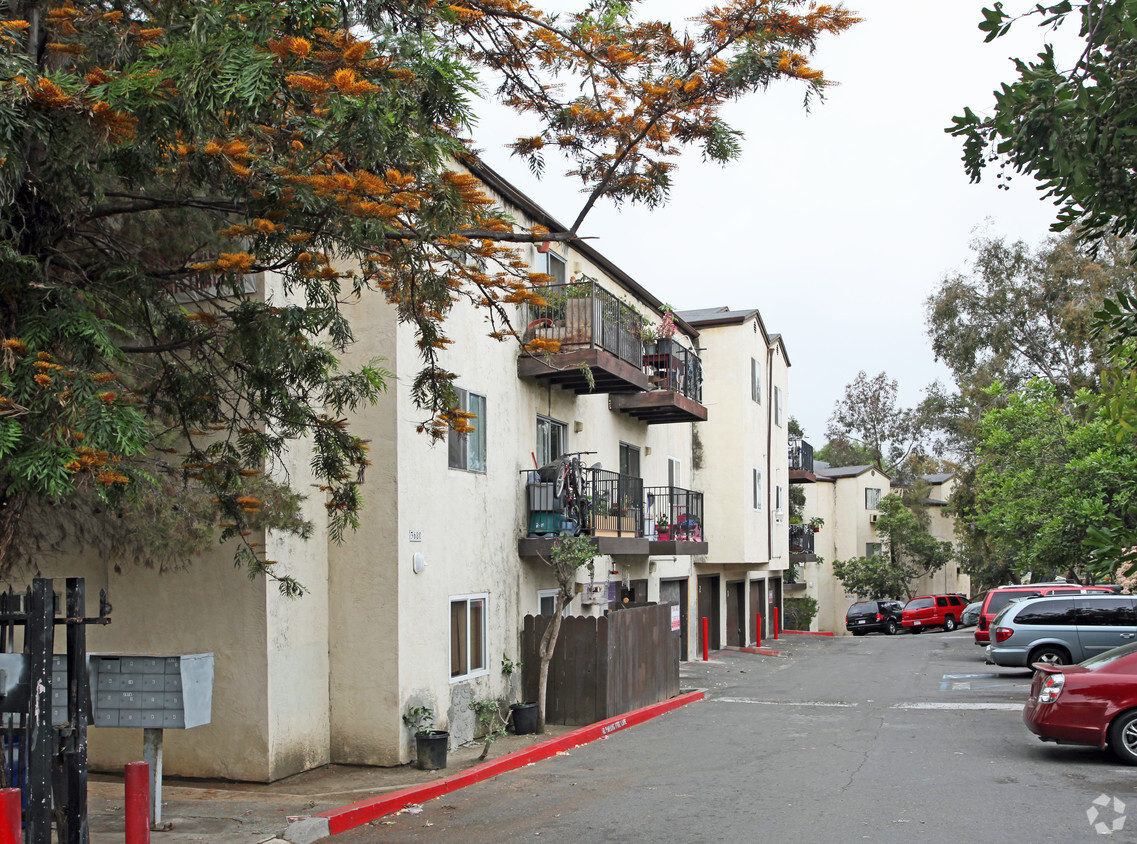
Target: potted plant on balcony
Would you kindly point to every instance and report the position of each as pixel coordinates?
(430, 744)
(662, 527)
(816, 523)
(661, 337)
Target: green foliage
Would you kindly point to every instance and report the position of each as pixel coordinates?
(419, 719)
(798, 613)
(871, 577)
(868, 422)
(1070, 126)
(490, 722)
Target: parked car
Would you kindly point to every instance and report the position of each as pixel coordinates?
(874, 617)
(1093, 702)
(933, 611)
(1000, 596)
(970, 614)
(1061, 629)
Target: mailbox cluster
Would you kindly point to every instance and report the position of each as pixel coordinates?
(150, 690)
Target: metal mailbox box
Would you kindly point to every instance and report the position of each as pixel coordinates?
(153, 691)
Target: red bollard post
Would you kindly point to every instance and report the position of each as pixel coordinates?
(10, 832)
(758, 632)
(775, 622)
(137, 803)
(706, 643)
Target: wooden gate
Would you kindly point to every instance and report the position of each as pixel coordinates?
(605, 666)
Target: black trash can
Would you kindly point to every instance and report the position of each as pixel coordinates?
(432, 746)
(524, 717)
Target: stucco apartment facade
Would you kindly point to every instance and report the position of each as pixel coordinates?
(846, 498)
(421, 604)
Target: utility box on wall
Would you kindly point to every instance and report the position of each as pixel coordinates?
(153, 691)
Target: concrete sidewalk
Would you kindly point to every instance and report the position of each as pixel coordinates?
(309, 806)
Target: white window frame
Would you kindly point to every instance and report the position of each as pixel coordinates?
(484, 597)
(779, 503)
(873, 548)
(544, 440)
(756, 477)
(543, 263)
(458, 445)
(778, 415)
(675, 472)
(552, 593)
(871, 502)
(755, 380)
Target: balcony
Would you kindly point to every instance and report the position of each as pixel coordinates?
(600, 348)
(674, 520)
(801, 544)
(801, 461)
(618, 512)
(612, 512)
(675, 376)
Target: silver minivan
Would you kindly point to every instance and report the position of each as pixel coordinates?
(1061, 629)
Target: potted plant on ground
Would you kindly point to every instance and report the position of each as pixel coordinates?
(430, 744)
(524, 713)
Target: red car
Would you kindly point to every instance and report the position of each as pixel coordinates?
(1093, 702)
(1000, 596)
(933, 611)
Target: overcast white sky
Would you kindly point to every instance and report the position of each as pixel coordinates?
(838, 223)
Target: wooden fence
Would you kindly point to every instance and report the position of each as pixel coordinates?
(604, 666)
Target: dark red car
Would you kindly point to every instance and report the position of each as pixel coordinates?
(1093, 702)
(933, 611)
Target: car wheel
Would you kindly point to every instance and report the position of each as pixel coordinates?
(949, 624)
(1123, 737)
(890, 628)
(1050, 655)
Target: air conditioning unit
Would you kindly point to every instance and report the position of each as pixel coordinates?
(873, 517)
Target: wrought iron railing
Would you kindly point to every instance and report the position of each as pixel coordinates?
(610, 504)
(673, 513)
(801, 454)
(801, 539)
(582, 313)
(671, 366)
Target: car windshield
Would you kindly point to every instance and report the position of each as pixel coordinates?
(920, 603)
(1103, 659)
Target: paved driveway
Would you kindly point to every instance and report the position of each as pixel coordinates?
(883, 739)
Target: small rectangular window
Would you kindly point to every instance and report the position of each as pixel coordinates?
(872, 498)
(778, 406)
(467, 636)
(755, 380)
(552, 439)
(872, 548)
(629, 460)
(779, 510)
(757, 489)
(547, 601)
(557, 267)
(468, 450)
(674, 473)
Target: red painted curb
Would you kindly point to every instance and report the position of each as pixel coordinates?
(357, 814)
(808, 633)
(761, 651)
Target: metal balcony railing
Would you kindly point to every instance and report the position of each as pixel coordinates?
(801, 454)
(671, 366)
(611, 504)
(673, 514)
(801, 539)
(582, 313)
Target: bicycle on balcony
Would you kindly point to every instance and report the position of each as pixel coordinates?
(570, 485)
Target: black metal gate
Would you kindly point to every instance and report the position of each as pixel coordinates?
(45, 707)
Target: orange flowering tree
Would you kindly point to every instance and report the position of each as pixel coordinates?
(192, 194)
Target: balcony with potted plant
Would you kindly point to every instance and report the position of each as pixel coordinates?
(675, 375)
(673, 520)
(582, 337)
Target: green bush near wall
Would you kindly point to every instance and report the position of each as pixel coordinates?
(798, 613)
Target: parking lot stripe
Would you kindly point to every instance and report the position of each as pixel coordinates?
(958, 706)
(782, 702)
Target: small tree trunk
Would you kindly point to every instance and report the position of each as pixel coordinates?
(548, 645)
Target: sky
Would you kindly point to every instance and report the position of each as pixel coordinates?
(836, 223)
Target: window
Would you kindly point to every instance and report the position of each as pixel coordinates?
(629, 460)
(551, 438)
(468, 451)
(779, 510)
(873, 548)
(552, 263)
(778, 406)
(1058, 612)
(1107, 612)
(547, 602)
(467, 636)
(755, 380)
(757, 489)
(674, 473)
(872, 498)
